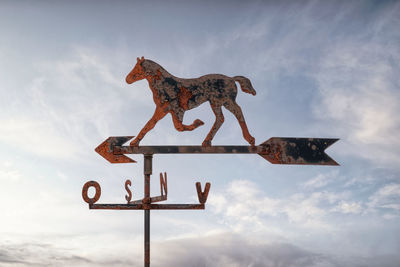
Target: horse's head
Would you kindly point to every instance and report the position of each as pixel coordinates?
(137, 73)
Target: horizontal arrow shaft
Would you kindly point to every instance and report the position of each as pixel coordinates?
(146, 206)
(187, 150)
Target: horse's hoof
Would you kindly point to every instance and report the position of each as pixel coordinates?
(198, 123)
(252, 141)
(134, 143)
(206, 143)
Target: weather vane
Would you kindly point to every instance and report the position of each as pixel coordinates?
(175, 96)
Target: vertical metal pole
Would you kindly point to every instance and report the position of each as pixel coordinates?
(146, 238)
(148, 162)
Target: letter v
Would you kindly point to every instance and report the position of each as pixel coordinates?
(202, 195)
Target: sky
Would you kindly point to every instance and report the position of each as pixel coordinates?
(325, 69)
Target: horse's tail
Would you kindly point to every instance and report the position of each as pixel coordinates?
(245, 84)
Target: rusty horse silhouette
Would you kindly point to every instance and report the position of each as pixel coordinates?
(176, 95)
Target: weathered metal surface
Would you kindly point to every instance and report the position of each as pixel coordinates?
(302, 151)
(186, 150)
(202, 195)
(175, 95)
(163, 184)
(129, 196)
(147, 238)
(141, 204)
(105, 149)
(277, 150)
(85, 189)
(163, 189)
(147, 206)
(147, 171)
(152, 200)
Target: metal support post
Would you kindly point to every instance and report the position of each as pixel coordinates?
(148, 162)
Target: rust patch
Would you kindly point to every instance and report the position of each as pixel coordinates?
(157, 77)
(129, 196)
(202, 195)
(106, 149)
(136, 73)
(85, 189)
(184, 97)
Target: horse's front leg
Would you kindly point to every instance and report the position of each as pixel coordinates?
(159, 113)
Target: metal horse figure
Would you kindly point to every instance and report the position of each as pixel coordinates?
(176, 95)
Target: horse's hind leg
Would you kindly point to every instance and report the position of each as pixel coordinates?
(219, 119)
(177, 119)
(233, 107)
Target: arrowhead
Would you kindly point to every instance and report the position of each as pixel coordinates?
(106, 149)
(304, 151)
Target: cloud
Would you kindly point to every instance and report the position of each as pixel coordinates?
(227, 249)
(358, 83)
(244, 206)
(387, 198)
(220, 249)
(69, 101)
(46, 254)
(232, 250)
(321, 180)
(224, 249)
(348, 207)
(9, 173)
(38, 254)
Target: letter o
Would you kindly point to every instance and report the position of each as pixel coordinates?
(85, 192)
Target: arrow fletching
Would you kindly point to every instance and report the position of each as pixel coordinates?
(304, 151)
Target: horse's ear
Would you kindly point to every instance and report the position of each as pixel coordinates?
(140, 60)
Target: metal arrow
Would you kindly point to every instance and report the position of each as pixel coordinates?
(277, 150)
(106, 149)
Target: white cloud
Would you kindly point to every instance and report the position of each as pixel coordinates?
(348, 207)
(387, 197)
(359, 94)
(321, 180)
(246, 205)
(42, 253)
(233, 250)
(8, 173)
(222, 249)
(70, 101)
(38, 137)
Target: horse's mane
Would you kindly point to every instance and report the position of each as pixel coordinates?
(155, 66)
(167, 91)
